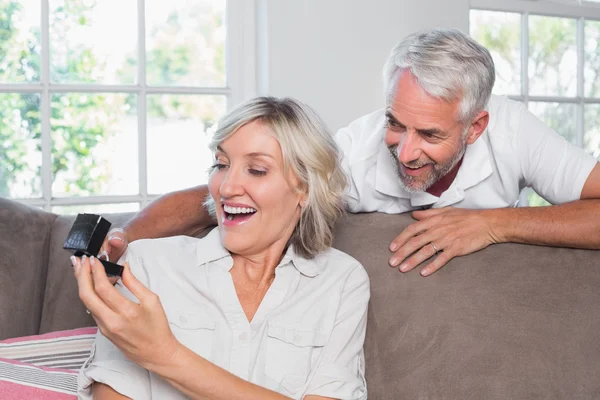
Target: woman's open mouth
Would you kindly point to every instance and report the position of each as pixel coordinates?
(237, 215)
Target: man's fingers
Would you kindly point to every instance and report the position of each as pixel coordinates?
(409, 232)
(441, 260)
(425, 253)
(114, 245)
(414, 244)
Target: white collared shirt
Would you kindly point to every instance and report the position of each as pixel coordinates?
(516, 150)
(306, 337)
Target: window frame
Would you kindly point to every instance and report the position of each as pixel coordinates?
(581, 11)
(240, 74)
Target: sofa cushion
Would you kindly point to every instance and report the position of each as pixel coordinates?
(44, 366)
(62, 307)
(20, 381)
(63, 349)
(24, 239)
(509, 322)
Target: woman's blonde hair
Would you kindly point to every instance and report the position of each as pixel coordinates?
(310, 152)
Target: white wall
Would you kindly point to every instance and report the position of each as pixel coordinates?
(329, 53)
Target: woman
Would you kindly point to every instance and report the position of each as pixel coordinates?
(260, 308)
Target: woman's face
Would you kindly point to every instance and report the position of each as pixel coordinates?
(256, 206)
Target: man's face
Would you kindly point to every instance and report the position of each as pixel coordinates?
(423, 135)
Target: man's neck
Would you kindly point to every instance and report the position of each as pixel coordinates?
(444, 183)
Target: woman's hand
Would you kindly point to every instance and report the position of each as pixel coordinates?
(141, 331)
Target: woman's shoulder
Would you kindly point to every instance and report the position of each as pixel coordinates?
(144, 246)
(333, 262)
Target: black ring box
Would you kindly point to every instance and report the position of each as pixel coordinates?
(86, 237)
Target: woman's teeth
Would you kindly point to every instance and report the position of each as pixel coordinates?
(238, 210)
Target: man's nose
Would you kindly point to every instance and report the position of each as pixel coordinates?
(409, 149)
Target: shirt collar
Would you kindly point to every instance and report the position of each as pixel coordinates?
(476, 165)
(211, 249)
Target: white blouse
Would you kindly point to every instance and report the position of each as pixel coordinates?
(306, 337)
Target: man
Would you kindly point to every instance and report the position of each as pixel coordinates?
(450, 152)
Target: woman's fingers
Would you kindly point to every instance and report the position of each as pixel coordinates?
(87, 292)
(105, 289)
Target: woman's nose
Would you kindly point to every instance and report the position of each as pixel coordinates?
(232, 184)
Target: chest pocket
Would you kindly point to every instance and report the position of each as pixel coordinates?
(194, 329)
(292, 352)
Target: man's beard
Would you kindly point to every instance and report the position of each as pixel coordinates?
(413, 184)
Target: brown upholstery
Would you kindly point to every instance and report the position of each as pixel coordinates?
(509, 322)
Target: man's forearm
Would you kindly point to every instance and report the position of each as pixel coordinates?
(177, 213)
(575, 224)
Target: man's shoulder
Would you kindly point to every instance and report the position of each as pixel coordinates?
(505, 117)
(362, 138)
(365, 127)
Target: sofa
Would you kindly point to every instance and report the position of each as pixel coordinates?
(508, 322)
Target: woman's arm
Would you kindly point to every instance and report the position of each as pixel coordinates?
(105, 392)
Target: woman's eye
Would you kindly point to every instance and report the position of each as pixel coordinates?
(257, 172)
(219, 166)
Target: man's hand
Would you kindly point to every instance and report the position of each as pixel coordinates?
(114, 245)
(448, 232)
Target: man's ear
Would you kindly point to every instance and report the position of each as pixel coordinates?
(478, 126)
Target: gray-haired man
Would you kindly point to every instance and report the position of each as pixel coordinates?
(449, 151)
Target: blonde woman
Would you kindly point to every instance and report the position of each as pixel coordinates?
(260, 308)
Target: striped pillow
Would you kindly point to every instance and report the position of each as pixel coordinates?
(44, 366)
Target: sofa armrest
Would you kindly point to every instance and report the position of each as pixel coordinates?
(24, 241)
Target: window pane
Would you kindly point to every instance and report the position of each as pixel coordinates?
(501, 33)
(535, 200)
(185, 42)
(19, 41)
(591, 139)
(179, 130)
(552, 56)
(592, 58)
(93, 41)
(20, 146)
(559, 116)
(94, 144)
(96, 208)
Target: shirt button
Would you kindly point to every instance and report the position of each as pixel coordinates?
(243, 336)
(183, 319)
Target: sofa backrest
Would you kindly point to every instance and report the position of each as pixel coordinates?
(510, 321)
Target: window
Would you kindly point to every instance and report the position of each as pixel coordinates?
(547, 55)
(104, 105)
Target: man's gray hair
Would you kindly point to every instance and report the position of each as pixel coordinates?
(448, 65)
(309, 152)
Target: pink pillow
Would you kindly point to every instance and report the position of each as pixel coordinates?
(44, 366)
